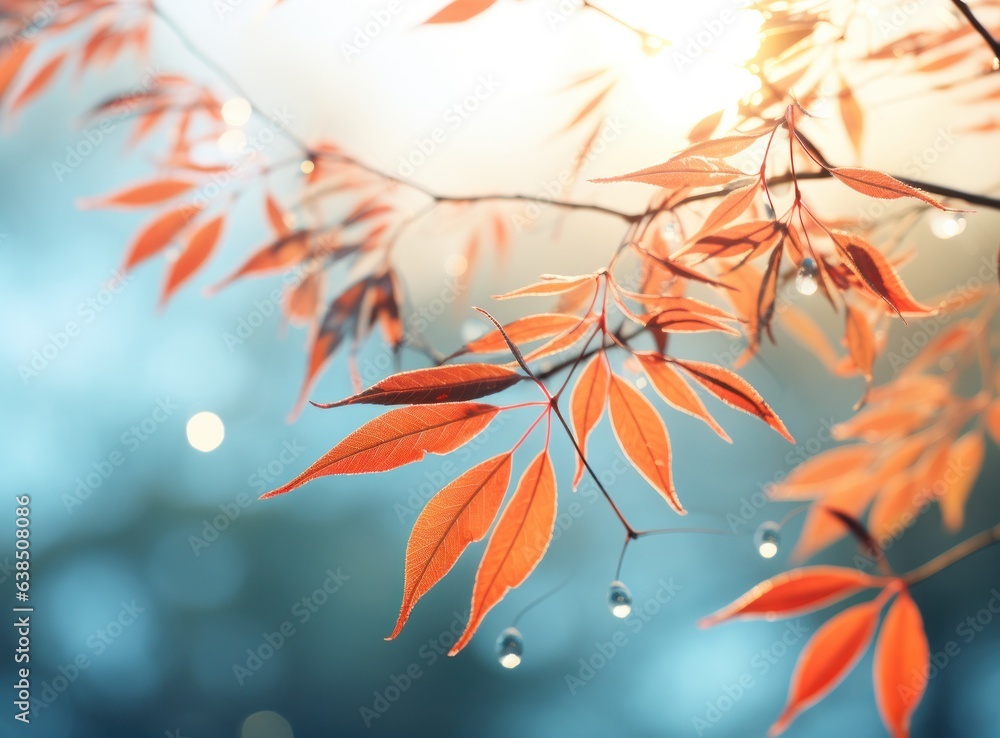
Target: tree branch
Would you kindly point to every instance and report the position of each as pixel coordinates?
(965, 10)
(949, 557)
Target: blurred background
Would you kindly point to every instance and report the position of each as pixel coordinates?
(170, 601)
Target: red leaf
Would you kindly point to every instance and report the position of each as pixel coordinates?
(687, 171)
(735, 391)
(901, 665)
(796, 592)
(284, 253)
(828, 657)
(643, 437)
(460, 10)
(40, 81)
(148, 193)
(587, 405)
(732, 206)
(675, 391)
(745, 238)
(880, 185)
(874, 270)
(518, 542)
(157, 235)
(522, 330)
(550, 285)
(11, 62)
(275, 216)
(455, 383)
(199, 247)
(456, 516)
(399, 437)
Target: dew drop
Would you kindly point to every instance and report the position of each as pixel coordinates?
(805, 280)
(619, 599)
(510, 648)
(766, 539)
(947, 225)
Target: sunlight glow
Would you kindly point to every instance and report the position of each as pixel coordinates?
(236, 112)
(205, 431)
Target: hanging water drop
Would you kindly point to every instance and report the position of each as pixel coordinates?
(619, 599)
(805, 281)
(510, 648)
(947, 225)
(766, 539)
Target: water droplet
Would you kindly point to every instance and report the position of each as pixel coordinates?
(510, 648)
(619, 599)
(766, 539)
(652, 44)
(307, 167)
(205, 431)
(996, 64)
(805, 281)
(768, 210)
(947, 225)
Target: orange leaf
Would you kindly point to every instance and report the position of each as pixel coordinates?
(758, 235)
(993, 421)
(148, 193)
(11, 62)
(811, 477)
(587, 405)
(454, 383)
(853, 117)
(157, 235)
(880, 185)
(860, 342)
(687, 171)
(735, 391)
(522, 330)
(874, 270)
(40, 81)
(275, 216)
(199, 247)
(901, 665)
(796, 592)
(643, 437)
(456, 516)
(961, 469)
(460, 10)
(732, 206)
(518, 542)
(829, 655)
(550, 285)
(284, 253)
(399, 437)
(675, 391)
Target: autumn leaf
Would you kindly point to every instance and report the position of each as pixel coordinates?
(148, 193)
(459, 11)
(42, 79)
(901, 665)
(688, 171)
(399, 437)
(158, 234)
(287, 251)
(590, 395)
(13, 57)
(880, 185)
(522, 330)
(452, 383)
(455, 517)
(962, 466)
(735, 391)
(796, 592)
(860, 342)
(852, 116)
(729, 209)
(643, 437)
(829, 655)
(877, 273)
(744, 239)
(517, 544)
(199, 248)
(549, 285)
(992, 419)
(675, 391)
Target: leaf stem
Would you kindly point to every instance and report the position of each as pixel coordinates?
(952, 555)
